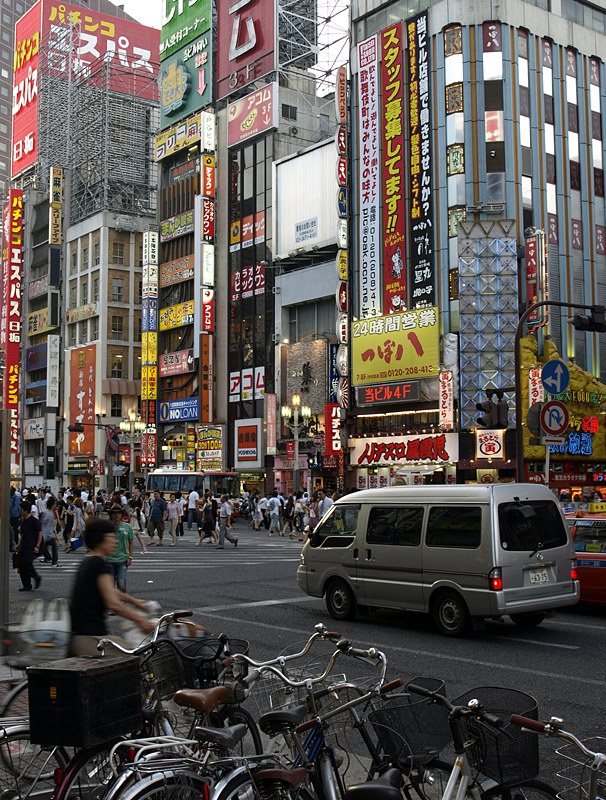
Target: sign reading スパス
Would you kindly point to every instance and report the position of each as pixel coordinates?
(395, 347)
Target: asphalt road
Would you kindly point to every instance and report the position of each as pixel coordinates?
(251, 593)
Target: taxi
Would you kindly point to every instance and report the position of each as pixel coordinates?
(588, 529)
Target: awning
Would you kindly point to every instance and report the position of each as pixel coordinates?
(122, 387)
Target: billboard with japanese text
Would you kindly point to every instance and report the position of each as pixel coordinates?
(186, 81)
(252, 115)
(131, 46)
(182, 23)
(246, 33)
(395, 347)
(82, 386)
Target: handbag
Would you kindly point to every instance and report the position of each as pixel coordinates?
(15, 560)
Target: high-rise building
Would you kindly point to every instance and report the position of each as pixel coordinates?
(478, 188)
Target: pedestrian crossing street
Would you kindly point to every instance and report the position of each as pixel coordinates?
(254, 549)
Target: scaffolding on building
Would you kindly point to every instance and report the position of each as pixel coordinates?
(98, 120)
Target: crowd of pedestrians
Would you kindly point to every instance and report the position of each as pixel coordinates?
(280, 513)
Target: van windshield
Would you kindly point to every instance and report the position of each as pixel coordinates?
(533, 525)
(339, 525)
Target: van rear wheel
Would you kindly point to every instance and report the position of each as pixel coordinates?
(450, 614)
(340, 602)
(529, 620)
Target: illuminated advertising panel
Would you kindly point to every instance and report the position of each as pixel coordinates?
(82, 400)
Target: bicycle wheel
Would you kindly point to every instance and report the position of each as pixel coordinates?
(25, 769)
(169, 785)
(239, 785)
(87, 775)
(16, 702)
(527, 790)
(251, 744)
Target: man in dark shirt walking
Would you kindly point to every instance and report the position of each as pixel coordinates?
(158, 514)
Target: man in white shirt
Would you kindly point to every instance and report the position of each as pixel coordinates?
(325, 501)
(84, 497)
(225, 513)
(274, 506)
(192, 508)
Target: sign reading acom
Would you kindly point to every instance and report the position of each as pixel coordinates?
(180, 410)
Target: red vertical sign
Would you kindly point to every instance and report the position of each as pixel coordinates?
(392, 169)
(332, 429)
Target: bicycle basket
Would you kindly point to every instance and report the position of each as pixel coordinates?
(202, 659)
(580, 769)
(421, 723)
(507, 755)
(164, 666)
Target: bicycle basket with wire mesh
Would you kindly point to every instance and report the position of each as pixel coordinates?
(579, 771)
(507, 755)
(423, 724)
(163, 667)
(202, 659)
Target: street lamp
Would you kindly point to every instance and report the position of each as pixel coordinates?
(134, 424)
(295, 419)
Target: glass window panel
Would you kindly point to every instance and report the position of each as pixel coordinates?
(493, 95)
(495, 157)
(552, 204)
(306, 318)
(524, 101)
(522, 45)
(573, 146)
(454, 527)
(548, 81)
(248, 184)
(493, 66)
(551, 168)
(527, 161)
(571, 89)
(596, 125)
(327, 317)
(550, 139)
(453, 66)
(596, 148)
(575, 176)
(453, 253)
(494, 126)
(395, 526)
(456, 190)
(594, 93)
(523, 72)
(573, 118)
(575, 205)
(526, 192)
(495, 187)
(455, 128)
(525, 131)
(598, 182)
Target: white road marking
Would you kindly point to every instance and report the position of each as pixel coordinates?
(257, 604)
(581, 625)
(531, 641)
(571, 678)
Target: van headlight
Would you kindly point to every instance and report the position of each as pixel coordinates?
(302, 558)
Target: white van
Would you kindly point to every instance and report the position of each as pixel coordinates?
(463, 553)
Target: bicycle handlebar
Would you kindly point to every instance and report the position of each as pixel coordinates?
(473, 709)
(320, 632)
(173, 616)
(534, 725)
(553, 728)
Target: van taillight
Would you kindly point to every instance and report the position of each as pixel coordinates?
(574, 575)
(495, 580)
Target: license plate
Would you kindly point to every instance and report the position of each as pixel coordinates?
(539, 576)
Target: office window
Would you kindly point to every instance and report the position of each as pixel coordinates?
(97, 254)
(73, 265)
(139, 295)
(118, 253)
(84, 264)
(289, 112)
(116, 365)
(117, 331)
(94, 329)
(84, 293)
(117, 290)
(116, 405)
(95, 289)
(72, 335)
(73, 296)
(138, 326)
(84, 332)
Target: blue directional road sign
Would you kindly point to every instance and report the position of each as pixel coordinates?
(555, 377)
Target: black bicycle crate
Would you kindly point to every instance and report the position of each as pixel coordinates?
(507, 755)
(83, 702)
(411, 727)
(164, 666)
(202, 660)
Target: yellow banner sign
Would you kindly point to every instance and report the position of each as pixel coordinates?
(149, 347)
(395, 347)
(176, 316)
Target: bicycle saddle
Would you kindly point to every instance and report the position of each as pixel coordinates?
(273, 722)
(204, 700)
(294, 777)
(225, 737)
(387, 787)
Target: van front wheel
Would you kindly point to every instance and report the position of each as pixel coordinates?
(450, 615)
(340, 601)
(529, 620)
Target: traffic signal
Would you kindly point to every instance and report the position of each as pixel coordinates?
(77, 427)
(502, 411)
(310, 460)
(595, 322)
(489, 418)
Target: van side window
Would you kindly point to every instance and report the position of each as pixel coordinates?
(339, 526)
(395, 526)
(454, 526)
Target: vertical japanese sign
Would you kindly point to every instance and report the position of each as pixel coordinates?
(422, 256)
(392, 166)
(332, 429)
(25, 90)
(11, 330)
(82, 399)
(55, 206)
(207, 371)
(149, 348)
(369, 281)
(536, 276)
